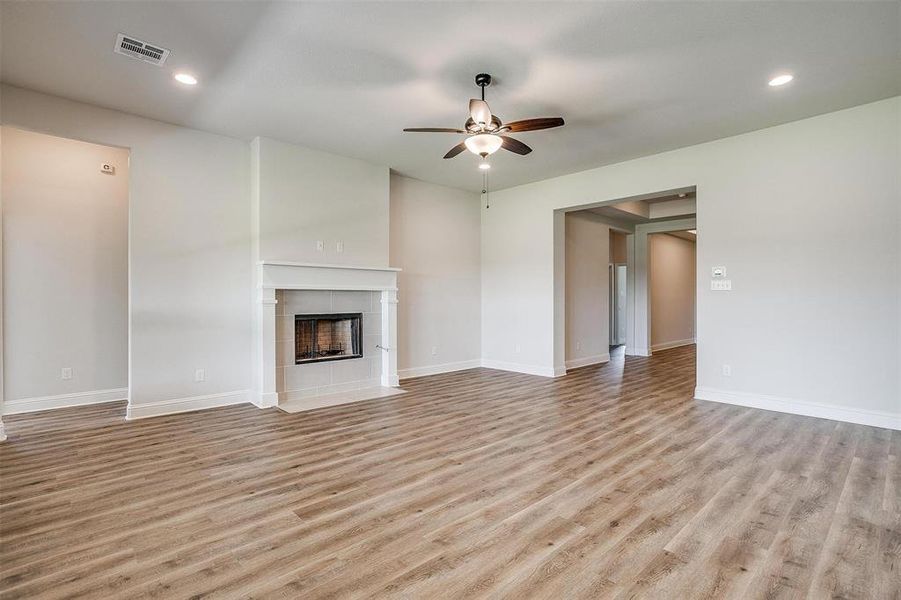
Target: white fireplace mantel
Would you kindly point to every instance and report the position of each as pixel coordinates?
(285, 275)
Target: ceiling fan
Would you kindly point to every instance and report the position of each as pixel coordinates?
(485, 132)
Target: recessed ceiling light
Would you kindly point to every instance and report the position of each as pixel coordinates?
(780, 80)
(186, 78)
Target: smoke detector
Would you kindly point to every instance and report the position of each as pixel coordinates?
(134, 48)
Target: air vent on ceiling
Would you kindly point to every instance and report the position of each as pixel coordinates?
(135, 48)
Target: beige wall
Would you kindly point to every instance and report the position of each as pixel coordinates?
(435, 241)
(672, 284)
(65, 266)
(617, 247)
(587, 312)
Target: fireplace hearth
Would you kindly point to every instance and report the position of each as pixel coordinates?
(324, 337)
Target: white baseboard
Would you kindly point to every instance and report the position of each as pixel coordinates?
(673, 344)
(267, 400)
(180, 405)
(597, 359)
(802, 407)
(437, 369)
(26, 405)
(527, 369)
(637, 351)
(2, 432)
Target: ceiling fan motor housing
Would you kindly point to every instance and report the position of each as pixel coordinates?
(483, 79)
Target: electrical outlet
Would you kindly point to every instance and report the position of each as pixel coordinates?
(434, 350)
(199, 375)
(320, 245)
(66, 373)
(727, 370)
(339, 247)
(517, 348)
(578, 345)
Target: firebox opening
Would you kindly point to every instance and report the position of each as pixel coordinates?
(319, 338)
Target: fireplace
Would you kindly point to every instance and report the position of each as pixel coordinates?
(320, 338)
(290, 290)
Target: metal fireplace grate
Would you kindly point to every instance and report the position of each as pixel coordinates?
(324, 337)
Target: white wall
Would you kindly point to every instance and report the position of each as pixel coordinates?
(205, 208)
(673, 208)
(66, 266)
(435, 241)
(672, 284)
(2, 426)
(770, 205)
(307, 196)
(587, 295)
(190, 277)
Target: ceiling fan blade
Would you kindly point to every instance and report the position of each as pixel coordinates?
(514, 145)
(455, 150)
(532, 124)
(433, 130)
(479, 111)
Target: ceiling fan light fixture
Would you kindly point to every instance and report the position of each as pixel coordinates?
(483, 144)
(480, 113)
(484, 165)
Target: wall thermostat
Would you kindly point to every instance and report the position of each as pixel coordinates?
(718, 272)
(107, 169)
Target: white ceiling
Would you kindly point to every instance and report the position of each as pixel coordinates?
(630, 79)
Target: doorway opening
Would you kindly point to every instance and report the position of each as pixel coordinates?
(603, 278)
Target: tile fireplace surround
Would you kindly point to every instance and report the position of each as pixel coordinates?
(288, 288)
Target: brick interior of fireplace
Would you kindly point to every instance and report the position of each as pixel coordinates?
(320, 338)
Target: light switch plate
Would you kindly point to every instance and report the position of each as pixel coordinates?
(66, 373)
(721, 285)
(320, 245)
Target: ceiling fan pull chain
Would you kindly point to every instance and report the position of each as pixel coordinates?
(485, 188)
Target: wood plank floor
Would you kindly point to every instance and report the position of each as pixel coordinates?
(610, 482)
